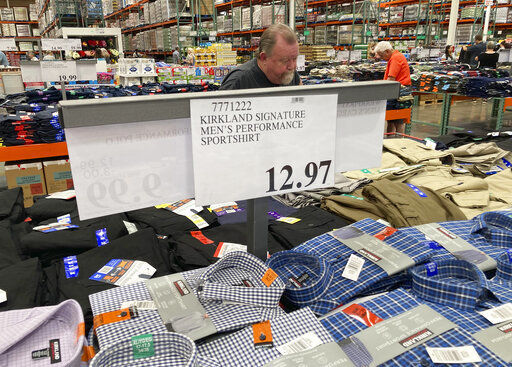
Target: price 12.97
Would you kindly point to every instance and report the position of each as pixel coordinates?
(311, 172)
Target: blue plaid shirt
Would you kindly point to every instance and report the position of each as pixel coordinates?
(342, 326)
(169, 350)
(228, 304)
(318, 264)
(237, 349)
(496, 227)
(504, 270)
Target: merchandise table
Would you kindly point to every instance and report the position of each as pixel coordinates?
(499, 106)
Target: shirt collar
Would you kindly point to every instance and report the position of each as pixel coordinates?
(165, 344)
(457, 284)
(504, 269)
(495, 227)
(304, 295)
(255, 292)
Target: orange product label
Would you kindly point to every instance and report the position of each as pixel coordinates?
(269, 277)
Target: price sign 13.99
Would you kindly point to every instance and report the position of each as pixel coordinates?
(259, 146)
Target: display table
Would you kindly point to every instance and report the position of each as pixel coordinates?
(499, 106)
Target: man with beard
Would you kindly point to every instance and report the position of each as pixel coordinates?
(274, 64)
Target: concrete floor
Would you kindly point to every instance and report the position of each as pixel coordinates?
(466, 114)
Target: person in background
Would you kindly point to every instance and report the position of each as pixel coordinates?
(472, 52)
(489, 58)
(448, 53)
(31, 56)
(48, 56)
(191, 58)
(398, 70)
(3, 59)
(176, 57)
(275, 64)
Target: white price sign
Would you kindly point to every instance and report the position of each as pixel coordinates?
(342, 55)
(331, 53)
(355, 55)
(130, 166)
(59, 71)
(301, 63)
(8, 44)
(61, 44)
(261, 146)
(488, 2)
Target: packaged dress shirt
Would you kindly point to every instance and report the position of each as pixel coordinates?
(43, 336)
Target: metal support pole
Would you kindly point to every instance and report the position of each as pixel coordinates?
(499, 117)
(452, 25)
(291, 13)
(486, 24)
(63, 90)
(257, 227)
(445, 118)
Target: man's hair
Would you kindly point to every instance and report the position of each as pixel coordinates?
(490, 45)
(269, 37)
(478, 38)
(382, 47)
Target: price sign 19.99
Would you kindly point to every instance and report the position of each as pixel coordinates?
(260, 146)
(58, 71)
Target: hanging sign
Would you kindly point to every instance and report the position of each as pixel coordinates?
(58, 71)
(61, 44)
(301, 63)
(261, 146)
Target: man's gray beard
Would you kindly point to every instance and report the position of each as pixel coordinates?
(287, 78)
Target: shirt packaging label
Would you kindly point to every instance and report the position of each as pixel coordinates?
(53, 227)
(179, 307)
(378, 252)
(123, 272)
(457, 246)
(101, 237)
(143, 346)
(71, 266)
(498, 339)
(226, 247)
(375, 345)
(225, 208)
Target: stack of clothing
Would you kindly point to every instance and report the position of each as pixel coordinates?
(34, 119)
(479, 87)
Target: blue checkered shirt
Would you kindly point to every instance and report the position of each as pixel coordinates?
(342, 326)
(323, 259)
(169, 350)
(496, 227)
(504, 270)
(237, 349)
(229, 305)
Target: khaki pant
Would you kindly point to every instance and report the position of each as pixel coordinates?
(414, 152)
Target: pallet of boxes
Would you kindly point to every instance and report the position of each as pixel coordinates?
(39, 178)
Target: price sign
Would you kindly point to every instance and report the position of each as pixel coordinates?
(61, 44)
(130, 166)
(59, 71)
(355, 55)
(8, 44)
(354, 121)
(261, 146)
(301, 63)
(342, 55)
(488, 2)
(331, 53)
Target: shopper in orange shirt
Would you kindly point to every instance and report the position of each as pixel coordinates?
(398, 70)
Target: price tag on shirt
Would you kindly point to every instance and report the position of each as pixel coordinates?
(353, 267)
(58, 71)
(498, 314)
(304, 342)
(266, 131)
(226, 247)
(466, 354)
(123, 272)
(8, 44)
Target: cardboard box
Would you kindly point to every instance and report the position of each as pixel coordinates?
(28, 176)
(58, 175)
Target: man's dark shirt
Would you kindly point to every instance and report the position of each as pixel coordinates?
(249, 75)
(474, 51)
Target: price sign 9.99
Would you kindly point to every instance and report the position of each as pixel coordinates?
(124, 167)
(260, 146)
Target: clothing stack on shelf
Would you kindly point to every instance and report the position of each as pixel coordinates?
(34, 119)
